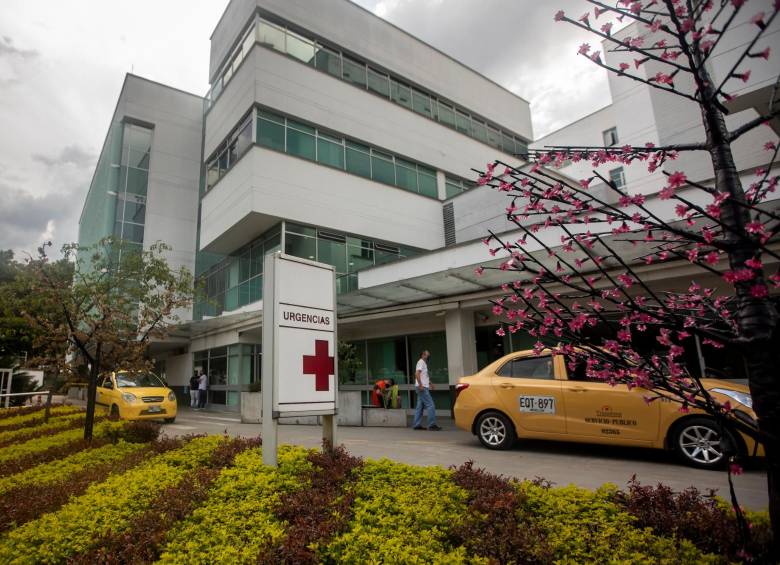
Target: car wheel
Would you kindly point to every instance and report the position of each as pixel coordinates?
(170, 420)
(114, 412)
(495, 431)
(698, 443)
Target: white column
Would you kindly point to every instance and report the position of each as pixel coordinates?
(461, 344)
(440, 185)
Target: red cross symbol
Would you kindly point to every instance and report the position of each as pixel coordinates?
(320, 365)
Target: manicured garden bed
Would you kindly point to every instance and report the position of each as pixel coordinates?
(130, 498)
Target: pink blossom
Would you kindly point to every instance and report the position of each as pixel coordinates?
(769, 146)
(764, 54)
(584, 18)
(755, 227)
(559, 15)
(607, 28)
(743, 76)
(639, 62)
(500, 332)
(677, 179)
(584, 183)
(738, 3)
(759, 291)
(584, 49)
(735, 468)
(596, 56)
(478, 271)
(754, 263)
(758, 19)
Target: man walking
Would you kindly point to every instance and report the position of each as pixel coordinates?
(424, 400)
(202, 390)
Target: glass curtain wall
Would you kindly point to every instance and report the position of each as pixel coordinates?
(396, 358)
(230, 370)
(132, 181)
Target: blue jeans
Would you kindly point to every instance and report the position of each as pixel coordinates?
(424, 402)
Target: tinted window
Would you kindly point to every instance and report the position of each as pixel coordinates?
(130, 380)
(528, 368)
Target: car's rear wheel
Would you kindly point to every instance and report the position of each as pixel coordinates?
(698, 442)
(114, 412)
(495, 431)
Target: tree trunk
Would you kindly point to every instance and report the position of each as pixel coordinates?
(763, 360)
(94, 372)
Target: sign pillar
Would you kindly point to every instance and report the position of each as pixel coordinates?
(300, 351)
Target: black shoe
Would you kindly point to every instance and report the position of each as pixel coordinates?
(434, 428)
(418, 428)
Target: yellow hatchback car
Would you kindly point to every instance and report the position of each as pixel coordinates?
(534, 396)
(137, 396)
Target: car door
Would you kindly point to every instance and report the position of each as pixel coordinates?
(530, 394)
(105, 391)
(597, 410)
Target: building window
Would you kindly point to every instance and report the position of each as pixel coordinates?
(617, 177)
(610, 137)
(454, 186)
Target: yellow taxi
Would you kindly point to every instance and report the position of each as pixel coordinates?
(136, 396)
(536, 396)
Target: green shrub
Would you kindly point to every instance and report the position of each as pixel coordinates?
(34, 417)
(58, 470)
(402, 514)
(584, 526)
(63, 422)
(103, 508)
(237, 522)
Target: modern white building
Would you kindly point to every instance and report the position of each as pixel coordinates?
(336, 136)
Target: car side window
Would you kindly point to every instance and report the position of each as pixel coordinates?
(528, 368)
(107, 383)
(575, 371)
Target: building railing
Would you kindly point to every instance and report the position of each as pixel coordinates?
(48, 394)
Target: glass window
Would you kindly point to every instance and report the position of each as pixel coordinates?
(255, 289)
(270, 36)
(382, 167)
(379, 83)
(494, 137)
(427, 181)
(328, 61)
(301, 246)
(359, 257)
(232, 155)
(421, 103)
(299, 229)
(228, 74)
(446, 115)
(137, 181)
(452, 187)
(300, 48)
(243, 293)
(617, 177)
(212, 175)
(521, 147)
(507, 143)
(256, 260)
(249, 41)
(333, 253)
(244, 139)
(436, 345)
(463, 122)
(478, 130)
(386, 358)
(300, 140)
(401, 93)
(358, 159)
(135, 211)
(330, 151)
(138, 158)
(138, 138)
(406, 175)
(244, 266)
(528, 368)
(270, 133)
(354, 72)
(610, 137)
(133, 232)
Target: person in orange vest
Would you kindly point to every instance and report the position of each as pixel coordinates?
(379, 396)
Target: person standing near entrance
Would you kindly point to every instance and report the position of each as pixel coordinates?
(424, 399)
(202, 390)
(194, 382)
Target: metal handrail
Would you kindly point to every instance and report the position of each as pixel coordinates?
(48, 394)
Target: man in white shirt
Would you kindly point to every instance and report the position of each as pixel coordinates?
(424, 400)
(202, 390)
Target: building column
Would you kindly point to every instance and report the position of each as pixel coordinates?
(461, 344)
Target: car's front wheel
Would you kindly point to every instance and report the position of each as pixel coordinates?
(170, 420)
(698, 442)
(495, 431)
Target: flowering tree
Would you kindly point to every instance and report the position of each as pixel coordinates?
(119, 300)
(582, 255)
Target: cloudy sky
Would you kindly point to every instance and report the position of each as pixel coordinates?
(62, 65)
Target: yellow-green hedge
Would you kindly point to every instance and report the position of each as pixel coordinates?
(60, 423)
(237, 521)
(34, 418)
(104, 507)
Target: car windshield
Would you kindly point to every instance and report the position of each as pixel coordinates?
(130, 380)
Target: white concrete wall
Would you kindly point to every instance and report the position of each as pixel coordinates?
(355, 29)
(266, 185)
(278, 82)
(178, 369)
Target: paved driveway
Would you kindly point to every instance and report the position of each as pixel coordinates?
(563, 463)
